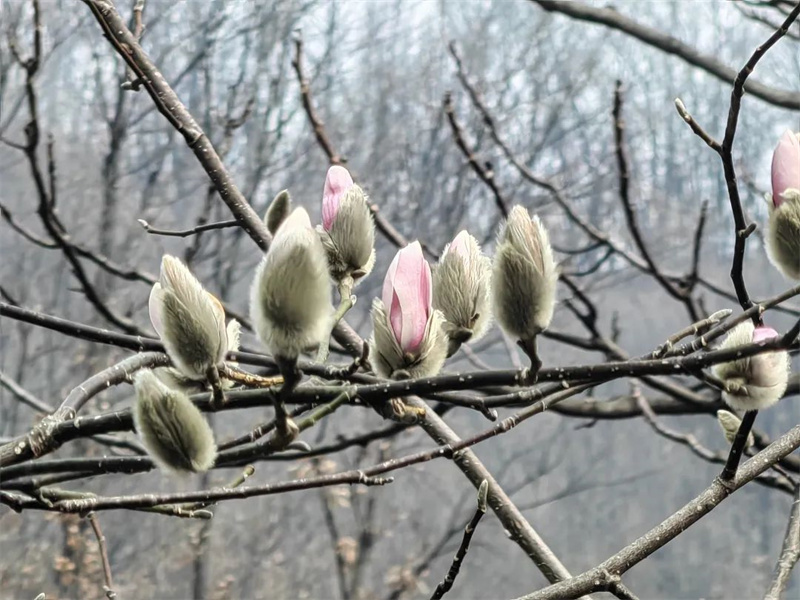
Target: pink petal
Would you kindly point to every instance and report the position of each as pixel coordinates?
(337, 182)
(407, 295)
(763, 333)
(785, 166)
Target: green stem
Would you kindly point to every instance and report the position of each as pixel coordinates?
(346, 301)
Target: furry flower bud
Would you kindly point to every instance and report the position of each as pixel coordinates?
(754, 382)
(290, 300)
(524, 276)
(461, 284)
(783, 234)
(408, 332)
(729, 423)
(188, 319)
(348, 231)
(174, 432)
(278, 210)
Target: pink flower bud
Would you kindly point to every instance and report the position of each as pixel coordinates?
(762, 333)
(337, 182)
(785, 167)
(407, 296)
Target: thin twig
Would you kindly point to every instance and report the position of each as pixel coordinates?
(461, 554)
(108, 588)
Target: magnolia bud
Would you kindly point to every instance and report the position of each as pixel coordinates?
(189, 320)
(783, 235)
(408, 333)
(290, 300)
(754, 382)
(729, 423)
(176, 380)
(172, 429)
(461, 289)
(348, 231)
(524, 276)
(278, 210)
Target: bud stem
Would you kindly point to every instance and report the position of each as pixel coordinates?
(212, 374)
(738, 446)
(529, 348)
(346, 301)
(286, 430)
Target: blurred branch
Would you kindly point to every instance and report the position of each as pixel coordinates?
(169, 105)
(383, 225)
(484, 171)
(108, 588)
(790, 552)
(608, 572)
(670, 45)
(469, 530)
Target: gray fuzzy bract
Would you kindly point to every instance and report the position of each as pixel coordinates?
(174, 379)
(290, 300)
(461, 290)
(189, 320)
(349, 243)
(756, 382)
(524, 277)
(173, 430)
(783, 234)
(388, 357)
(278, 210)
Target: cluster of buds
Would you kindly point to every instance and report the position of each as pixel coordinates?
(347, 231)
(290, 299)
(783, 234)
(755, 382)
(461, 283)
(524, 277)
(409, 338)
(190, 322)
(172, 429)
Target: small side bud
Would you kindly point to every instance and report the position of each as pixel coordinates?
(483, 494)
(524, 277)
(755, 382)
(172, 429)
(729, 423)
(290, 299)
(461, 290)
(189, 320)
(348, 230)
(278, 210)
(408, 333)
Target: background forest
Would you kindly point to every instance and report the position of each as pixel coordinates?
(394, 84)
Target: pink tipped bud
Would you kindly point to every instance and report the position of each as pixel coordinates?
(460, 245)
(337, 182)
(785, 167)
(407, 296)
(762, 333)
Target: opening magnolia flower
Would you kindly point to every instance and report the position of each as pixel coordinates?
(189, 320)
(783, 233)
(348, 231)
(337, 183)
(758, 381)
(408, 293)
(408, 331)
